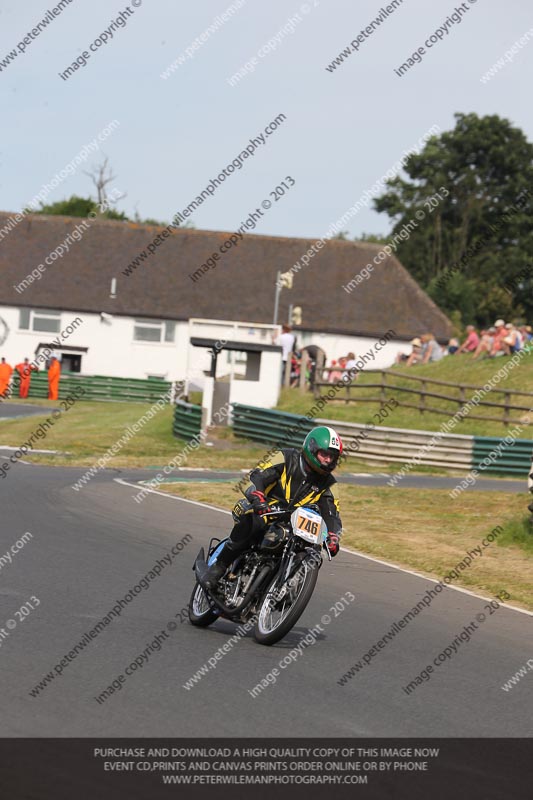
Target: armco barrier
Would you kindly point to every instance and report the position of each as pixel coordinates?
(273, 427)
(383, 444)
(380, 444)
(100, 387)
(387, 445)
(507, 459)
(187, 420)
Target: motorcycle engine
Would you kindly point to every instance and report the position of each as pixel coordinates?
(235, 583)
(274, 539)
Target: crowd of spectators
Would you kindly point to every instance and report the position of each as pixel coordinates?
(499, 340)
(502, 339)
(424, 349)
(314, 358)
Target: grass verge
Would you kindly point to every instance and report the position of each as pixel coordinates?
(423, 530)
(455, 369)
(84, 433)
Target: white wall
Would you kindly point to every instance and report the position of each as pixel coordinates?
(264, 392)
(111, 348)
(199, 359)
(335, 346)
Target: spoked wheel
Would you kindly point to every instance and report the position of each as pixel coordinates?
(200, 611)
(281, 610)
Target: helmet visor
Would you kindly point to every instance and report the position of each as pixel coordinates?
(328, 458)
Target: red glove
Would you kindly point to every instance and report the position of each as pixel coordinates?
(332, 543)
(259, 502)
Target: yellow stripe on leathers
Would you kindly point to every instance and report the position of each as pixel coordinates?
(312, 497)
(286, 484)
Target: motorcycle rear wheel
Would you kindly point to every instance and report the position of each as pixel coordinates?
(274, 623)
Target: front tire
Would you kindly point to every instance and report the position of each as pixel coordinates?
(276, 618)
(200, 611)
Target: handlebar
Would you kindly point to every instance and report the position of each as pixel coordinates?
(288, 511)
(284, 512)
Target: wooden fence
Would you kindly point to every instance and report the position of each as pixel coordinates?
(422, 389)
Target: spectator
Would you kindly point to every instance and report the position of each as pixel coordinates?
(296, 365)
(403, 357)
(471, 342)
(317, 359)
(453, 347)
(512, 342)
(527, 335)
(497, 343)
(54, 373)
(334, 374)
(350, 365)
(24, 370)
(416, 353)
(287, 341)
(431, 349)
(350, 361)
(485, 343)
(6, 370)
(342, 364)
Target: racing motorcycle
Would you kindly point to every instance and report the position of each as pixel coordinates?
(272, 582)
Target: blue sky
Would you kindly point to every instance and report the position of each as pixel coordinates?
(343, 129)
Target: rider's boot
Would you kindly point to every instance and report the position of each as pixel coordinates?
(227, 555)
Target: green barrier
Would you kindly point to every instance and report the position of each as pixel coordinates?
(501, 457)
(99, 387)
(277, 428)
(281, 429)
(187, 420)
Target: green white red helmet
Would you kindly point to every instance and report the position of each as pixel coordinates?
(321, 449)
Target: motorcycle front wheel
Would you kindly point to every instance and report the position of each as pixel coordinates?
(200, 611)
(279, 612)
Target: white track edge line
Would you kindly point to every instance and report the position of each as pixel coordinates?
(343, 549)
(171, 496)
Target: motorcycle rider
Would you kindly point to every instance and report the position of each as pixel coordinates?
(293, 477)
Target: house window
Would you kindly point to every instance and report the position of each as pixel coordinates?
(151, 330)
(240, 356)
(170, 331)
(39, 320)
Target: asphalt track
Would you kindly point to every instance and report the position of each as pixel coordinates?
(89, 548)
(13, 410)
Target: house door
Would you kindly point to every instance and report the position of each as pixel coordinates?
(71, 362)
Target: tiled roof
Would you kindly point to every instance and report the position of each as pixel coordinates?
(241, 287)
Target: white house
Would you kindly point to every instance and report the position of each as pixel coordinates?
(124, 300)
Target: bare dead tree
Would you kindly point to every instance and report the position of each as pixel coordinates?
(101, 175)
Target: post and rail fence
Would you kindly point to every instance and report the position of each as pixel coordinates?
(422, 387)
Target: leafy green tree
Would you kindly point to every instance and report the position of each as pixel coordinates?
(478, 224)
(79, 207)
(373, 238)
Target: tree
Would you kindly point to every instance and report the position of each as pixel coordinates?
(100, 176)
(467, 203)
(373, 238)
(156, 222)
(79, 207)
(82, 206)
